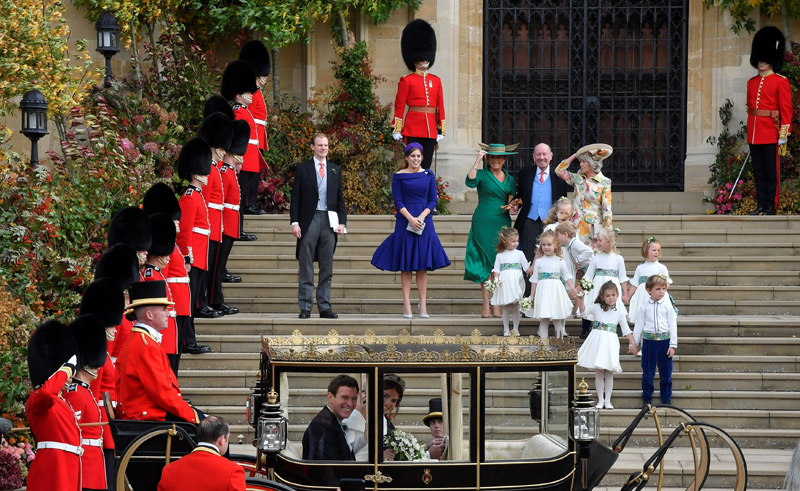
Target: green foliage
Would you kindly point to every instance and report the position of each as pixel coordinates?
(131, 14)
(353, 100)
(17, 322)
(741, 10)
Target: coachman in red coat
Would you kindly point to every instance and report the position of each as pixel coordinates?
(420, 91)
(769, 116)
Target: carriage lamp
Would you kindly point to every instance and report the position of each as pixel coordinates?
(34, 120)
(107, 40)
(584, 417)
(273, 427)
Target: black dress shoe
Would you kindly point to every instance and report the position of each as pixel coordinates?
(229, 278)
(226, 309)
(196, 349)
(208, 313)
(770, 211)
(328, 314)
(247, 237)
(757, 211)
(305, 314)
(252, 210)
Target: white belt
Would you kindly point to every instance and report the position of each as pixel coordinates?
(180, 279)
(203, 231)
(252, 142)
(260, 121)
(231, 207)
(215, 206)
(92, 442)
(60, 446)
(102, 403)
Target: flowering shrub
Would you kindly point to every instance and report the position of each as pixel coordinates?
(443, 197)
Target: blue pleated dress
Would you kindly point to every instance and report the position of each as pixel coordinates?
(404, 250)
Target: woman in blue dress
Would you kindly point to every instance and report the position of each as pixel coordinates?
(407, 251)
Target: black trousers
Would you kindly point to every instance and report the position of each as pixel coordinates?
(428, 145)
(197, 289)
(766, 173)
(218, 298)
(214, 285)
(248, 185)
(185, 336)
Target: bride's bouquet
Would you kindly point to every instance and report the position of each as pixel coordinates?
(408, 448)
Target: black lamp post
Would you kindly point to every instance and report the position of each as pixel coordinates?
(107, 40)
(34, 120)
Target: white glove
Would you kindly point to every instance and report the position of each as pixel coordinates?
(781, 142)
(72, 363)
(439, 137)
(397, 136)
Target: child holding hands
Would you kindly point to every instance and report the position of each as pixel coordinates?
(577, 256)
(656, 332)
(550, 300)
(508, 267)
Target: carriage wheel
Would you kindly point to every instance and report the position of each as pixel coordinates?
(257, 484)
(171, 432)
(249, 463)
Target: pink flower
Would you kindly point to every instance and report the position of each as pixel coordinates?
(126, 144)
(162, 129)
(151, 147)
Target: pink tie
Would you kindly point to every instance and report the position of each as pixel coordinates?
(322, 170)
(541, 177)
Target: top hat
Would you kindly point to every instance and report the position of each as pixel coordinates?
(161, 199)
(120, 264)
(217, 104)
(434, 411)
(164, 235)
(194, 158)
(103, 298)
(499, 148)
(596, 151)
(216, 130)
(143, 293)
(50, 346)
(256, 54)
(769, 46)
(238, 78)
(130, 226)
(418, 43)
(90, 338)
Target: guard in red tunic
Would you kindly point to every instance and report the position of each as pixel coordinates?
(146, 386)
(160, 198)
(104, 299)
(230, 187)
(769, 116)
(239, 86)
(194, 165)
(420, 91)
(90, 337)
(121, 264)
(256, 54)
(51, 363)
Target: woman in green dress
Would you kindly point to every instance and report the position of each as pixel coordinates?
(495, 187)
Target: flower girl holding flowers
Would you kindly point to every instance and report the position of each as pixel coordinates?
(509, 264)
(550, 299)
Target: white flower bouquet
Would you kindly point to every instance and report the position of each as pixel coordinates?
(526, 304)
(586, 284)
(408, 448)
(492, 284)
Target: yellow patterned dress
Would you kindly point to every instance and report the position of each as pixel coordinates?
(592, 201)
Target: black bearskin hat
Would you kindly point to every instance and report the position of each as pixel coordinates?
(161, 199)
(216, 130)
(255, 53)
(418, 43)
(130, 226)
(194, 158)
(217, 104)
(51, 345)
(241, 137)
(120, 264)
(238, 78)
(769, 46)
(90, 337)
(103, 298)
(164, 234)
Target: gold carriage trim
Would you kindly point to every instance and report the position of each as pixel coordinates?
(403, 347)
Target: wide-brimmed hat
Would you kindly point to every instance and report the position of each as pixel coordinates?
(434, 411)
(596, 151)
(499, 148)
(144, 293)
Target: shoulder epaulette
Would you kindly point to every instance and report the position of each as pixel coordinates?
(188, 192)
(148, 273)
(781, 76)
(237, 106)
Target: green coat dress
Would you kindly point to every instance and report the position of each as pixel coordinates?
(487, 220)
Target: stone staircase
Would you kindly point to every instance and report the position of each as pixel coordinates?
(736, 285)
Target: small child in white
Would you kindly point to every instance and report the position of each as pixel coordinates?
(548, 275)
(577, 256)
(651, 252)
(600, 351)
(656, 331)
(508, 267)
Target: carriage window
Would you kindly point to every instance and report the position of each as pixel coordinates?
(526, 414)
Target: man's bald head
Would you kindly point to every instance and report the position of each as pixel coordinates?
(542, 155)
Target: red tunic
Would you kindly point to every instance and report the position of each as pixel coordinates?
(770, 92)
(194, 229)
(419, 89)
(212, 193)
(253, 160)
(105, 382)
(146, 387)
(178, 281)
(93, 465)
(232, 195)
(53, 420)
(218, 473)
(258, 108)
(123, 333)
(169, 336)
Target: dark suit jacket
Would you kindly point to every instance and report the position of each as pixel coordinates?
(305, 195)
(525, 186)
(324, 439)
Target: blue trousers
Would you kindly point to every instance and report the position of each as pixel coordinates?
(654, 353)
